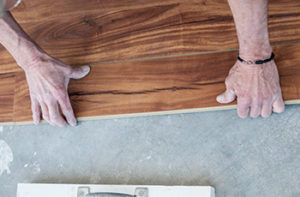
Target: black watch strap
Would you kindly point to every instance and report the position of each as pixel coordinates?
(257, 61)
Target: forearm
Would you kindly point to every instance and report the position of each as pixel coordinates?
(17, 42)
(256, 87)
(251, 21)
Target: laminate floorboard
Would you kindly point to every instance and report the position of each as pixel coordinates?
(78, 32)
(7, 86)
(146, 56)
(158, 85)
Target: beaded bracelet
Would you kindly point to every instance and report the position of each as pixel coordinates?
(258, 61)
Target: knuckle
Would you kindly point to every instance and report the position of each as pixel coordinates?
(35, 112)
(267, 96)
(69, 109)
(256, 103)
(59, 89)
(255, 106)
(68, 70)
(35, 115)
(267, 101)
(243, 95)
(257, 98)
(55, 118)
(243, 101)
(65, 105)
(60, 94)
(48, 98)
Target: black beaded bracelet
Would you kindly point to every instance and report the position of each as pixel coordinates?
(258, 61)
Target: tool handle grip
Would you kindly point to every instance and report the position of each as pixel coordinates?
(108, 195)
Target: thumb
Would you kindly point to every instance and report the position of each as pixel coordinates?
(227, 97)
(80, 72)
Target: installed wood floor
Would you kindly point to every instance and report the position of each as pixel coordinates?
(146, 56)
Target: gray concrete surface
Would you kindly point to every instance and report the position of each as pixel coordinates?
(251, 158)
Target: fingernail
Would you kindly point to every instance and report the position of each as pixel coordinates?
(73, 123)
(86, 69)
(35, 121)
(220, 98)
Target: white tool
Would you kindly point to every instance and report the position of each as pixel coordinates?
(66, 190)
(6, 5)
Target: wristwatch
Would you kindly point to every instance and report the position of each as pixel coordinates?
(6, 5)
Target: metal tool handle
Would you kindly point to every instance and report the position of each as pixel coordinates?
(108, 195)
(85, 192)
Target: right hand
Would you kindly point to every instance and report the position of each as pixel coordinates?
(256, 87)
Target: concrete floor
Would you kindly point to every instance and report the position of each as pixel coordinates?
(240, 158)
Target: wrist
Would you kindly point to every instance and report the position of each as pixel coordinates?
(27, 54)
(18, 43)
(255, 51)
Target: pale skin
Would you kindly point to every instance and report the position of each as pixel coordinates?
(256, 87)
(47, 77)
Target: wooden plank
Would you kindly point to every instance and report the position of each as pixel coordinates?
(68, 190)
(7, 85)
(159, 85)
(22, 104)
(84, 33)
(41, 10)
(140, 86)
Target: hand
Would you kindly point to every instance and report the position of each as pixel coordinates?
(48, 80)
(256, 87)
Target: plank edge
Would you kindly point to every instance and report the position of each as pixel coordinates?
(131, 115)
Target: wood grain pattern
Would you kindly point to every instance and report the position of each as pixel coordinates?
(78, 32)
(116, 36)
(160, 84)
(7, 85)
(22, 105)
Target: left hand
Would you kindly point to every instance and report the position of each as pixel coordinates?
(48, 80)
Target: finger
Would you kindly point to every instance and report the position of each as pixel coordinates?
(45, 112)
(55, 116)
(67, 110)
(227, 97)
(243, 107)
(255, 109)
(266, 110)
(80, 72)
(36, 114)
(278, 105)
